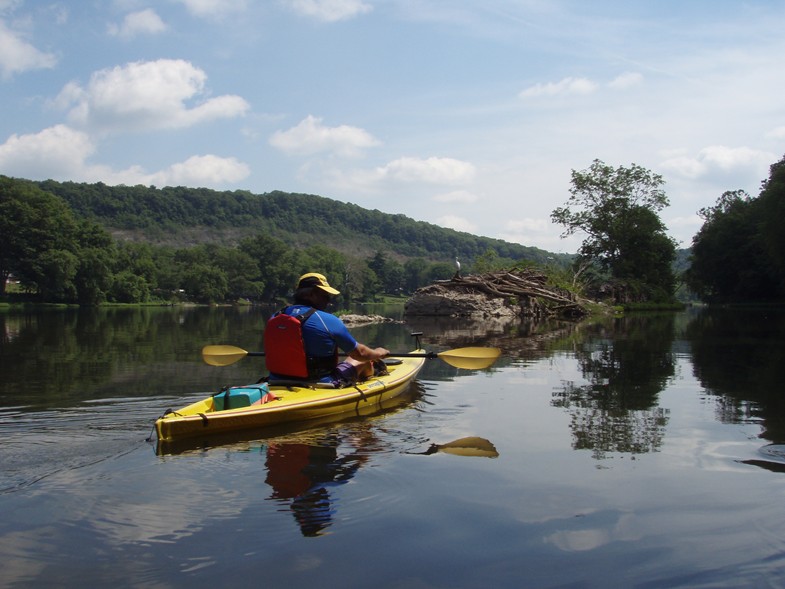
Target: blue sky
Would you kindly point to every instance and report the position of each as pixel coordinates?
(470, 114)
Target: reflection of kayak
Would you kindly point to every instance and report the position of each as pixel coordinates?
(260, 405)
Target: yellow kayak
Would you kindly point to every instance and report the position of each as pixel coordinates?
(263, 405)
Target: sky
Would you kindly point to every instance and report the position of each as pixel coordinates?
(469, 114)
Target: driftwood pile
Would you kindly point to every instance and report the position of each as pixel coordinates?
(520, 292)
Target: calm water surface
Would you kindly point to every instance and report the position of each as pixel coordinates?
(639, 452)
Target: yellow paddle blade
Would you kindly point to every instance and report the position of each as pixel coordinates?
(472, 446)
(470, 358)
(222, 355)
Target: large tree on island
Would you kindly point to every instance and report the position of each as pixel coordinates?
(617, 209)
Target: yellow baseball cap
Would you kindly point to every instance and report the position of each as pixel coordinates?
(318, 280)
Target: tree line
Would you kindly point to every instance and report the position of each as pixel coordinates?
(737, 256)
(170, 214)
(55, 240)
(739, 253)
(56, 255)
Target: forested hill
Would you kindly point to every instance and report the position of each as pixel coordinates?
(183, 216)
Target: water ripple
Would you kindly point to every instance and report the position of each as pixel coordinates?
(37, 445)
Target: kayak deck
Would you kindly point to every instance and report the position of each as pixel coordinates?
(293, 403)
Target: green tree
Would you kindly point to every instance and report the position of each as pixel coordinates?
(242, 273)
(37, 232)
(274, 261)
(415, 273)
(729, 260)
(128, 287)
(440, 271)
(140, 260)
(55, 271)
(487, 261)
(617, 209)
(772, 205)
(97, 254)
(205, 283)
(389, 273)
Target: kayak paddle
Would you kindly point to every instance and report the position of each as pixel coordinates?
(470, 358)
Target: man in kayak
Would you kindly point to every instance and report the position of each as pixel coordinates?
(307, 348)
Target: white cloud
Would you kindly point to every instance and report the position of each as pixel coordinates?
(580, 86)
(17, 55)
(202, 170)
(563, 87)
(144, 22)
(626, 80)
(433, 170)
(456, 196)
(777, 133)
(457, 223)
(146, 95)
(528, 225)
(214, 8)
(539, 232)
(55, 152)
(62, 153)
(208, 171)
(416, 173)
(719, 159)
(330, 10)
(310, 136)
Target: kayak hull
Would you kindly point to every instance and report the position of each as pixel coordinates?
(295, 403)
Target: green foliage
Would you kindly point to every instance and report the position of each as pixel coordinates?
(772, 205)
(415, 273)
(37, 230)
(739, 253)
(128, 287)
(616, 208)
(172, 214)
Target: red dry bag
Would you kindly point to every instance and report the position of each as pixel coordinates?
(284, 348)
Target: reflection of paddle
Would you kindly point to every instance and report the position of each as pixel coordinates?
(471, 446)
(470, 358)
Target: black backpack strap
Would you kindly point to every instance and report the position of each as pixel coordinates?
(304, 317)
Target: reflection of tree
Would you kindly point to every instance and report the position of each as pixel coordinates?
(737, 354)
(306, 473)
(616, 411)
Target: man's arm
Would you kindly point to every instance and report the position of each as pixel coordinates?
(363, 353)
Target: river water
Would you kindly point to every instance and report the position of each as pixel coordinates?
(644, 451)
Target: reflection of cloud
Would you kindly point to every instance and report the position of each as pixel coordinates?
(591, 538)
(16, 548)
